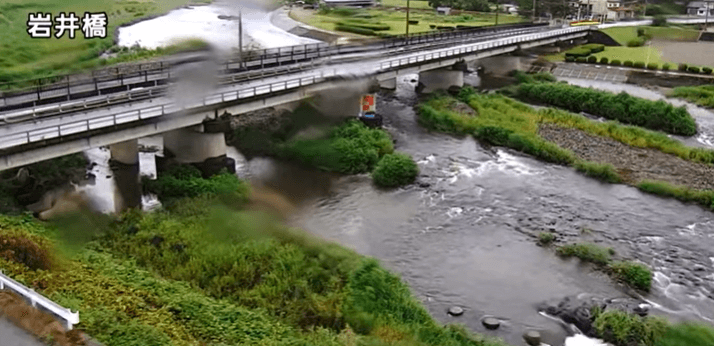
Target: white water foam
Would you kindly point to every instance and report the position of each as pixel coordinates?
(582, 340)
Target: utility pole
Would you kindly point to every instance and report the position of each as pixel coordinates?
(496, 12)
(590, 11)
(706, 19)
(534, 11)
(407, 18)
(240, 36)
(645, 13)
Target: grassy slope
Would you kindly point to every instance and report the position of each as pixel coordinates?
(403, 3)
(24, 57)
(624, 34)
(701, 95)
(397, 20)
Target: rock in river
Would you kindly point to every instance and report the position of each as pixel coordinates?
(532, 337)
(455, 311)
(491, 323)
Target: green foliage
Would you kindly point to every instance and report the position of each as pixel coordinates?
(395, 170)
(682, 67)
(355, 30)
(707, 70)
(690, 334)
(615, 62)
(656, 115)
(634, 274)
(693, 69)
(682, 193)
(364, 25)
(627, 63)
(659, 20)
(640, 32)
(466, 5)
(604, 60)
(639, 64)
(622, 329)
(545, 238)
(186, 181)
(665, 67)
(522, 77)
(578, 52)
(586, 252)
(351, 148)
(594, 47)
(652, 66)
(569, 59)
(581, 59)
(604, 172)
(592, 59)
(701, 95)
(636, 42)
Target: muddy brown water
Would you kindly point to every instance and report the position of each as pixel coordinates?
(465, 234)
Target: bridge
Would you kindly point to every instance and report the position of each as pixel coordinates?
(115, 109)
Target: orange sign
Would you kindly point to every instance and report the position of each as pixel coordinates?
(368, 103)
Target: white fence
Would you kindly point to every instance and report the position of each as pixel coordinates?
(70, 318)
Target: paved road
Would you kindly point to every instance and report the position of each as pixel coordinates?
(11, 335)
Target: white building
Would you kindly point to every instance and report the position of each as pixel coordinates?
(699, 8)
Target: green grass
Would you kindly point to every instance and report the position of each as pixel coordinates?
(701, 95)
(27, 58)
(704, 198)
(396, 20)
(222, 276)
(545, 238)
(394, 170)
(632, 54)
(186, 181)
(634, 274)
(622, 329)
(624, 34)
(403, 3)
(587, 252)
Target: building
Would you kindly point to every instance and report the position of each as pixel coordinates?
(602, 9)
(349, 3)
(699, 8)
(510, 8)
(443, 10)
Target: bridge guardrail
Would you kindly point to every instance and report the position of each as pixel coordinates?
(253, 59)
(70, 318)
(160, 110)
(136, 94)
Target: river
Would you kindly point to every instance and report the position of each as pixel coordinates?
(463, 235)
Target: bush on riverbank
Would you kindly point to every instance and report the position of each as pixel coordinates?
(587, 252)
(186, 181)
(656, 115)
(634, 274)
(700, 95)
(623, 329)
(704, 198)
(395, 170)
(604, 172)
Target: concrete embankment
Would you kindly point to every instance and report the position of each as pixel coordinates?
(667, 79)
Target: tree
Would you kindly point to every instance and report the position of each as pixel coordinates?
(466, 5)
(557, 8)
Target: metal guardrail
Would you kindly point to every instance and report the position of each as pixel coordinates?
(97, 86)
(70, 318)
(253, 60)
(160, 110)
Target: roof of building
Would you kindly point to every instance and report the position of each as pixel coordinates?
(697, 4)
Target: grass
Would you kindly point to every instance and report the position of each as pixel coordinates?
(636, 274)
(701, 95)
(397, 20)
(646, 54)
(394, 170)
(403, 3)
(587, 252)
(624, 34)
(203, 272)
(622, 329)
(27, 58)
(545, 238)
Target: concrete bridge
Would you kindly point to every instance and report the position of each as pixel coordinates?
(33, 134)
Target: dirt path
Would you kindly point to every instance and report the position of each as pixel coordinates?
(634, 164)
(694, 53)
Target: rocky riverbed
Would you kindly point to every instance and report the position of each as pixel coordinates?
(634, 164)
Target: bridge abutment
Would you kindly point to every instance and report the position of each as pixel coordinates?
(126, 152)
(389, 84)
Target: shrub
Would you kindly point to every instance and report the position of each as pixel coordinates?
(659, 20)
(587, 252)
(636, 42)
(395, 170)
(693, 69)
(581, 59)
(592, 59)
(186, 181)
(690, 334)
(594, 47)
(615, 62)
(639, 64)
(707, 70)
(604, 60)
(412, 22)
(627, 63)
(652, 66)
(634, 274)
(655, 115)
(354, 30)
(545, 238)
(682, 67)
(620, 328)
(640, 31)
(604, 172)
(665, 67)
(578, 52)
(569, 59)
(364, 25)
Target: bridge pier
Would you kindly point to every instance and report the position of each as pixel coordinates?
(389, 84)
(126, 175)
(500, 65)
(206, 151)
(430, 81)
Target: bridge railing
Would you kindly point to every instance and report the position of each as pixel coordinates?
(70, 318)
(61, 85)
(49, 132)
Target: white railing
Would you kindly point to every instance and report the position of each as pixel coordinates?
(70, 318)
(36, 135)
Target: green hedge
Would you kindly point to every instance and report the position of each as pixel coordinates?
(354, 30)
(581, 59)
(594, 47)
(592, 59)
(578, 52)
(707, 70)
(652, 66)
(665, 67)
(682, 67)
(615, 62)
(569, 59)
(604, 60)
(693, 69)
(364, 25)
(395, 170)
(627, 63)
(636, 42)
(639, 64)
(655, 115)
